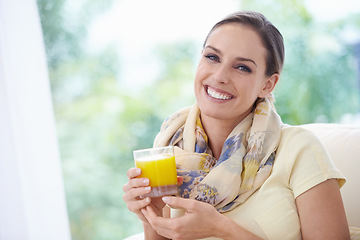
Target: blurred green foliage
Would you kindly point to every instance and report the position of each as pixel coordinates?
(320, 79)
(100, 122)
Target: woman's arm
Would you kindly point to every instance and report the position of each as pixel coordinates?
(321, 212)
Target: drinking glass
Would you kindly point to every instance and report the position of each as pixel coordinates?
(158, 165)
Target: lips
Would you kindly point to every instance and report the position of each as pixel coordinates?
(218, 94)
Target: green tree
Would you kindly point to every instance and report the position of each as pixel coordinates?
(320, 78)
(99, 123)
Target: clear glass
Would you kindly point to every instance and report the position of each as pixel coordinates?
(159, 166)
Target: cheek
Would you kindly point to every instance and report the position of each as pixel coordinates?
(202, 69)
(199, 77)
(197, 87)
(196, 83)
(246, 95)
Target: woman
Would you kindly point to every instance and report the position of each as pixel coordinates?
(243, 174)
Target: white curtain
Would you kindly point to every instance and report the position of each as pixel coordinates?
(32, 200)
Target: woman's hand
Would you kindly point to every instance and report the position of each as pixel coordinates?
(134, 189)
(201, 220)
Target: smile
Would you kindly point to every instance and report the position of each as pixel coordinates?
(218, 95)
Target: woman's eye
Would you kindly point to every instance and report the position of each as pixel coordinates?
(212, 57)
(244, 68)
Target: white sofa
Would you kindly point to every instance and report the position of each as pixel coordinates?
(343, 144)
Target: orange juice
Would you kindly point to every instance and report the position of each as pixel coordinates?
(160, 168)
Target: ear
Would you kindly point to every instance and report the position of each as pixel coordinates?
(269, 85)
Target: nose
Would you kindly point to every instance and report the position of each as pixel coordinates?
(221, 75)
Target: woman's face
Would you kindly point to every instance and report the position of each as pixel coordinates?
(231, 73)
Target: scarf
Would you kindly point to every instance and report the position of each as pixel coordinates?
(245, 162)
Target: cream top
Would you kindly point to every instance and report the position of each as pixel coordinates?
(301, 163)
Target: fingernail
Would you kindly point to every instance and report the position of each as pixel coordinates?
(166, 199)
(138, 171)
(147, 189)
(146, 181)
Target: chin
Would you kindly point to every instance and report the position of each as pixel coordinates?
(213, 111)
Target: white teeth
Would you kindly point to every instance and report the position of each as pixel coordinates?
(217, 95)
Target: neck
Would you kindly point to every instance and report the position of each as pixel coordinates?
(217, 131)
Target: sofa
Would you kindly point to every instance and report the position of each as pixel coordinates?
(343, 144)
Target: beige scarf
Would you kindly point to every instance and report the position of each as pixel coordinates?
(245, 162)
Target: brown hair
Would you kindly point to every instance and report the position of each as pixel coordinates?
(270, 36)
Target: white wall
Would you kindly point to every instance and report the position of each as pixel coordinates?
(32, 200)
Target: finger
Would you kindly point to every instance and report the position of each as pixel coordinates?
(150, 214)
(177, 202)
(161, 225)
(135, 183)
(180, 180)
(135, 193)
(133, 172)
(136, 206)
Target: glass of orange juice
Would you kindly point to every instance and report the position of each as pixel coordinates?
(158, 165)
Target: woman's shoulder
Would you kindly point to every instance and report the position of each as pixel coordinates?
(298, 146)
(296, 135)
(305, 159)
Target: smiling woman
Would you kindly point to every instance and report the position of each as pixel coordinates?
(244, 173)
(119, 67)
(230, 69)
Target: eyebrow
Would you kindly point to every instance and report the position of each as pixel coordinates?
(238, 58)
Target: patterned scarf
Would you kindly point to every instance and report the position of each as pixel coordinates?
(245, 162)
